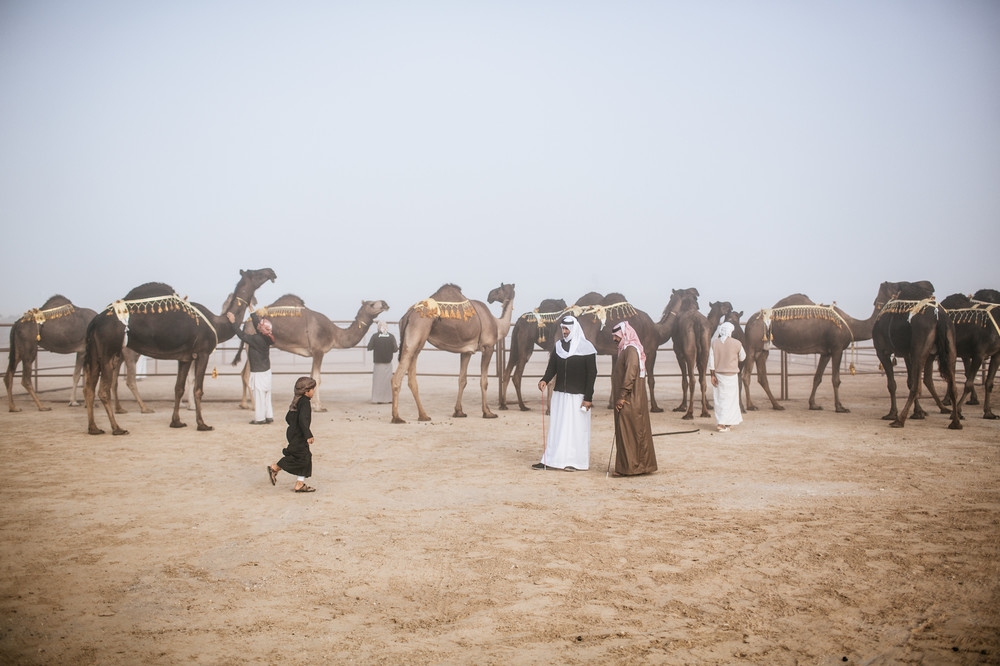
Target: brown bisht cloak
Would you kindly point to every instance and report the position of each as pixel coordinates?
(633, 435)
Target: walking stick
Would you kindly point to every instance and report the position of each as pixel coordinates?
(608, 475)
(542, 391)
(677, 432)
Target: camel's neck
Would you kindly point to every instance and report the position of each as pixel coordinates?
(353, 334)
(503, 323)
(861, 329)
(665, 327)
(223, 328)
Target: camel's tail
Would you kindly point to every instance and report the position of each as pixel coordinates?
(11, 358)
(239, 354)
(402, 335)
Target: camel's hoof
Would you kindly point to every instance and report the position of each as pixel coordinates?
(458, 415)
(244, 406)
(94, 431)
(655, 410)
(954, 425)
(74, 404)
(178, 424)
(15, 409)
(45, 409)
(525, 408)
(972, 401)
(427, 418)
(750, 408)
(843, 410)
(779, 408)
(919, 417)
(147, 410)
(816, 408)
(705, 415)
(320, 409)
(687, 417)
(396, 419)
(889, 417)
(119, 431)
(121, 410)
(896, 424)
(205, 428)
(502, 408)
(944, 410)
(489, 415)
(991, 416)
(680, 409)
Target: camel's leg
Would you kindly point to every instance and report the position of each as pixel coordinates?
(504, 378)
(8, 381)
(682, 364)
(929, 383)
(838, 357)
(183, 367)
(200, 367)
(651, 382)
(397, 383)
(484, 380)
(885, 359)
(317, 374)
(131, 358)
(703, 384)
(411, 380)
(463, 378)
(106, 375)
(27, 364)
(916, 362)
(246, 403)
(77, 373)
(948, 371)
(762, 380)
(817, 380)
(745, 373)
(518, 378)
(991, 374)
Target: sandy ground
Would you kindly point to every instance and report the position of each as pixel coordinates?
(798, 538)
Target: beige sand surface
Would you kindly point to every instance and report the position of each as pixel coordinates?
(799, 538)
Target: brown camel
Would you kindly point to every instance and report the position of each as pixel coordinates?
(977, 338)
(160, 325)
(796, 325)
(59, 327)
(537, 327)
(450, 321)
(305, 332)
(915, 326)
(983, 296)
(692, 336)
(597, 322)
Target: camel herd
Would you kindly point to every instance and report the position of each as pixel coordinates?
(906, 322)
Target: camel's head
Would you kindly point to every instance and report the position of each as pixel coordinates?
(502, 294)
(374, 308)
(681, 300)
(257, 277)
(719, 309)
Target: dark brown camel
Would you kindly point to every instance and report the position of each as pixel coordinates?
(160, 325)
(977, 338)
(305, 332)
(597, 322)
(537, 327)
(914, 326)
(692, 335)
(983, 296)
(796, 325)
(450, 321)
(59, 327)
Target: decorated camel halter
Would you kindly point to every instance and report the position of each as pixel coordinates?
(543, 319)
(157, 305)
(445, 310)
(42, 316)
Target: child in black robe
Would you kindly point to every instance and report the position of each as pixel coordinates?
(296, 457)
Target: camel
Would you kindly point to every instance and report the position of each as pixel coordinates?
(450, 321)
(305, 332)
(913, 325)
(59, 327)
(538, 327)
(977, 338)
(597, 321)
(983, 296)
(154, 321)
(692, 336)
(797, 325)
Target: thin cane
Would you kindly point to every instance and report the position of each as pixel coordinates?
(608, 475)
(542, 391)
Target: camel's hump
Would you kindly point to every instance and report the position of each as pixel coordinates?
(794, 299)
(590, 298)
(613, 298)
(55, 301)
(150, 289)
(288, 300)
(552, 305)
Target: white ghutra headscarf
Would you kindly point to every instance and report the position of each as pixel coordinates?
(579, 345)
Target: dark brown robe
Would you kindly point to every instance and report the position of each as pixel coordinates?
(633, 435)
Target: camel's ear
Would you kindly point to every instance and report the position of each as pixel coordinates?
(712, 305)
(695, 290)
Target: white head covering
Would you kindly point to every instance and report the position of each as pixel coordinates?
(383, 328)
(579, 345)
(724, 331)
(631, 339)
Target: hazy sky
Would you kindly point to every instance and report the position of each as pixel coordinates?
(376, 150)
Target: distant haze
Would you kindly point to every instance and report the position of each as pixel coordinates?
(378, 150)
